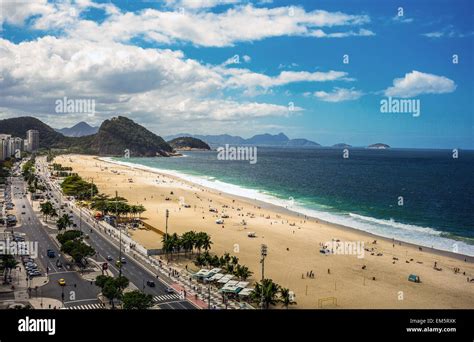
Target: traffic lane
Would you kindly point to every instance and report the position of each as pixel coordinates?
(136, 274)
(76, 287)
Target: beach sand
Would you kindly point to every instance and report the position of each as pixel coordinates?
(293, 244)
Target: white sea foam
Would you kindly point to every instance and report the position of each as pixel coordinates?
(423, 236)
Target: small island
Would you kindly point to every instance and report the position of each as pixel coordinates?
(341, 145)
(189, 144)
(378, 146)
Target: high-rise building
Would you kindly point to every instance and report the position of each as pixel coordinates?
(3, 149)
(33, 140)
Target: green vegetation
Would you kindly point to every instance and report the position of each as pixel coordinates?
(8, 263)
(187, 242)
(72, 244)
(64, 222)
(117, 206)
(69, 235)
(272, 294)
(229, 263)
(5, 170)
(75, 186)
(136, 300)
(112, 288)
(113, 138)
(48, 210)
(187, 143)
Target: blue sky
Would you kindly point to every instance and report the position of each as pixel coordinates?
(243, 68)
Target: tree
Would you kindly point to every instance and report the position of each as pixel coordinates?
(64, 222)
(136, 300)
(8, 264)
(242, 272)
(285, 297)
(112, 288)
(47, 209)
(270, 291)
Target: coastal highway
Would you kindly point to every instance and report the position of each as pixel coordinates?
(84, 291)
(133, 270)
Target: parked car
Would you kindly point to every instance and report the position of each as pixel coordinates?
(150, 283)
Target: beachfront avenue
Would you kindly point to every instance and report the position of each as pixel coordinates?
(61, 285)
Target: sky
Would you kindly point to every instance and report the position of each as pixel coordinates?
(311, 69)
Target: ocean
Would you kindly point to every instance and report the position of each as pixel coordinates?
(419, 196)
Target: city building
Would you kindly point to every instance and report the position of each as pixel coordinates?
(32, 136)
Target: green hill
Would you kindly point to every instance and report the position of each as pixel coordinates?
(188, 143)
(49, 138)
(113, 138)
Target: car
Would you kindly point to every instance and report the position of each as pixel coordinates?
(109, 258)
(50, 253)
(23, 213)
(169, 290)
(23, 206)
(62, 282)
(150, 283)
(123, 260)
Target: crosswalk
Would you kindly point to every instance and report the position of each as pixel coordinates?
(93, 306)
(166, 297)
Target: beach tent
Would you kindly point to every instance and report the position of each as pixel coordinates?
(225, 279)
(230, 287)
(216, 276)
(414, 278)
(245, 292)
(206, 274)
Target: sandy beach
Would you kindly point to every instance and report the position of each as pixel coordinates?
(376, 280)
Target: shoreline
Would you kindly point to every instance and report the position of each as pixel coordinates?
(283, 210)
(371, 275)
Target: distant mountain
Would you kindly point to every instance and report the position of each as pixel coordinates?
(302, 143)
(378, 146)
(258, 140)
(341, 145)
(48, 137)
(78, 130)
(215, 140)
(185, 143)
(113, 137)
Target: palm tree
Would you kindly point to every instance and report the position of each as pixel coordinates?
(187, 241)
(47, 209)
(285, 297)
(206, 243)
(242, 272)
(8, 263)
(234, 260)
(268, 290)
(64, 222)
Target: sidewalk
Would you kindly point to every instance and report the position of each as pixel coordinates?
(195, 292)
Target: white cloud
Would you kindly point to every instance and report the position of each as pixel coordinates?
(161, 87)
(198, 4)
(402, 19)
(244, 78)
(338, 95)
(418, 83)
(244, 23)
(448, 32)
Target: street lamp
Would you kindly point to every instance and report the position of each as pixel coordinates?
(263, 254)
(120, 234)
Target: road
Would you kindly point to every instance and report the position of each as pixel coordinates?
(133, 270)
(83, 290)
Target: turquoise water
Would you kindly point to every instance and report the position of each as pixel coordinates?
(363, 191)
